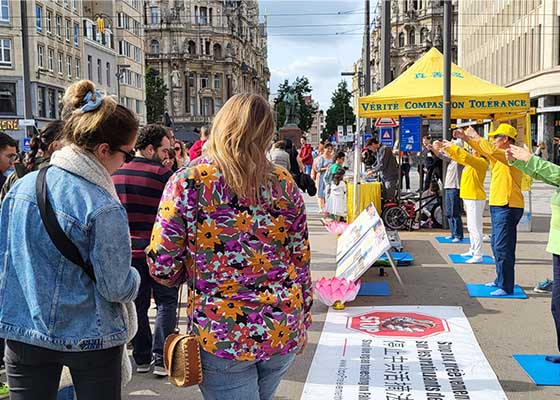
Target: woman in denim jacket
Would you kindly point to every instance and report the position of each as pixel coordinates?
(51, 313)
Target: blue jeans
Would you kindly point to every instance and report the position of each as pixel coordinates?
(504, 240)
(242, 380)
(453, 212)
(555, 301)
(307, 169)
(166, 301)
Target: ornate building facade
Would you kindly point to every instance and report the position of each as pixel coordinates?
(416, 26)
(206, 51)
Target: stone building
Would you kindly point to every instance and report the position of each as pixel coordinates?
(416, 27)
(516, 44)
(206, 51)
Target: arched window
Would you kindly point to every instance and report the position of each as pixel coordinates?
(411, 37)
(192, 47)
(217, 51)
(423, 35)
(154, 47)
(401, 39)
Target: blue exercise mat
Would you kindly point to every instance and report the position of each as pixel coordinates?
(401, 258)
(459, 259)
(374, 289)
(481, 290)
(443, 239)
(540, 371)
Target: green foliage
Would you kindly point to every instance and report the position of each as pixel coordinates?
(156, 93)
(340, 111)
(306, 111)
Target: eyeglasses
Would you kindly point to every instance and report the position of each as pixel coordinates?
(128, 155)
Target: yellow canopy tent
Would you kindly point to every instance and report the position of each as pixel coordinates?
(419, 92)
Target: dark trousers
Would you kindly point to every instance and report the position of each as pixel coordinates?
(145, 344)
(555, 301)
(34, 372)
(405, 174)
(453, 212)
(504, 240)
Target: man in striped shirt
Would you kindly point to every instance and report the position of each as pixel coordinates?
(140, 185)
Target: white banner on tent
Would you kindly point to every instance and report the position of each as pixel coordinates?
(400, 353)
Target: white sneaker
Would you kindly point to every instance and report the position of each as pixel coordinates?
(474, 260)
(487, 238)
(456, 240)
(159, 370)
(467, 254)
(491, 284)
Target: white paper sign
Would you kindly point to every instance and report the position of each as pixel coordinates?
(400, 353)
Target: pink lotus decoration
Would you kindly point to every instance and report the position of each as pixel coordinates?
(336, 227)
(336, 291)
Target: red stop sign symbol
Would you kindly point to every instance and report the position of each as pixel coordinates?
(398, 324)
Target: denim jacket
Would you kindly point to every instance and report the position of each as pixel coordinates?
(46, 300)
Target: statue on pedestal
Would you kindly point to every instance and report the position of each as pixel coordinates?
(292, 106)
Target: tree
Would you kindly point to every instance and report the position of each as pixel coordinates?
(306, 110)
(340, 111)
(156, 93)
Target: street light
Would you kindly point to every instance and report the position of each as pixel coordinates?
(121, 68)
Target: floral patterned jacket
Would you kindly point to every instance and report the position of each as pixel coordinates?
(253, 283)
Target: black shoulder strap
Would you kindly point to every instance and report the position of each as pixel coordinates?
(57, 235)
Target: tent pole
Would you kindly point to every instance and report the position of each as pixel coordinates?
(447, 32)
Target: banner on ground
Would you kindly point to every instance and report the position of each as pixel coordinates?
(400, 353)
(361, 244)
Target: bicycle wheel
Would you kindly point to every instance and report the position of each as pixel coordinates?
(395, 218)
(437, 215)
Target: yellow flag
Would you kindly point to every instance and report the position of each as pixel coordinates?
(100, 25)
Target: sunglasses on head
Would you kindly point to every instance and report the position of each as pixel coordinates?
(128, 155)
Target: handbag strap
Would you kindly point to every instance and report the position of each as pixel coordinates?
(57, 235)
(193, 182)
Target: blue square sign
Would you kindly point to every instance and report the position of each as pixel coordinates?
(410, 134)
(387, 136)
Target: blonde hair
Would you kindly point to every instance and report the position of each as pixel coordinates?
(109, 123)
(241, 132)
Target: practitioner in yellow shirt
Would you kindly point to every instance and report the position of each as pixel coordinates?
(506, 201)
(471, 191)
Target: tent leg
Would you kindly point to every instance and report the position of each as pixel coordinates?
(394, 267)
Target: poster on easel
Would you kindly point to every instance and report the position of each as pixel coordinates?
(363, 242)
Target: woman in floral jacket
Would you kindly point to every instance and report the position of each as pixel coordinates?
(251, 254)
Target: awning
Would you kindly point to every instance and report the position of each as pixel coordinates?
(419, 92)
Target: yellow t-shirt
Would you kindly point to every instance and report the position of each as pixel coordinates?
(505, 184)
(472, 179)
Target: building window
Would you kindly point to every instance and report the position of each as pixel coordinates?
(217, 105)
(138, 107)
(89, 67)
(154, 47)
(52, 104)
(68, 30)
(60, 63)
(411, 37)
(51, 60)
(155, 16)
(401, 39)
(99, 72)
(203, 16)
(7, 98)
(76, 32)
(203, 82)
(207, 108)
(69, 67)
(423, 35)
(41, 105)
(108, 73)
(40, 56)
(217, 51)
(48, 21)
(4, 11)
(5, 52)
(59, 26)
(78, 68)
(192, 47)
(217, 82)
(39, 18)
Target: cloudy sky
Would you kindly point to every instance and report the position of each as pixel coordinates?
(315, 38)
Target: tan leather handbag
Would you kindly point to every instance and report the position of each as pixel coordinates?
(182, 350)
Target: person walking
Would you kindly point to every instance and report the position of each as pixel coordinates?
(306, 155)
(506, 201)
(139, 185)
(473, 194)
(196, 149)
(549, 173)
(241, 221)
(279, 156)
(405, 170)
(68, 318)
(8, 154)
(322, 165)
(451, 189)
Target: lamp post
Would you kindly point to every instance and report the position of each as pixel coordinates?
(121, 68)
